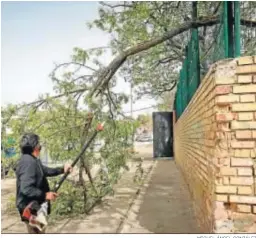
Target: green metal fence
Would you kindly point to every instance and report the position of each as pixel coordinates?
(223, 41)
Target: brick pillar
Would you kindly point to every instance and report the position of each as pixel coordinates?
(235, 147)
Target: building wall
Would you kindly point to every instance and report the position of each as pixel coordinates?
(215, 147)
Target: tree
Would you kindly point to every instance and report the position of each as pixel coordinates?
(161, 28)
(156, 65)
(144, 119)
(167, 101)
(152, 36)
(64, 128)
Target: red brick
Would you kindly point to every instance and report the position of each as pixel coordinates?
(254, 134)
(223, 89)
(247, 134)
(225, 117)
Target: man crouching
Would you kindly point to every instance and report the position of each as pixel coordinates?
(32, 184)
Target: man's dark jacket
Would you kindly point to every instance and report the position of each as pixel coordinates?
(32, 184)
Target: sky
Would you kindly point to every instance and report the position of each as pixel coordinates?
(35, 35)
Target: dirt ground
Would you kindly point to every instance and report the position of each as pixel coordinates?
(160, 205)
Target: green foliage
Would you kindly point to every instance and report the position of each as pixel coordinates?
(80, 55)
(138, 177)
(70, 200)
(63, 126)
(156, 71)
(130, 23)
(166, 102)
(144, 119)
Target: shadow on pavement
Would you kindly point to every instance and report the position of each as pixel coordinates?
(167, 206)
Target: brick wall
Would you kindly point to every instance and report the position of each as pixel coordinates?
(215, 147)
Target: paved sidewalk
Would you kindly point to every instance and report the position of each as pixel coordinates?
(110, 215)
(105, 218)
(164, 205)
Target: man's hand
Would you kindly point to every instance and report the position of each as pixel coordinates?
(51, 196)
(67, 167)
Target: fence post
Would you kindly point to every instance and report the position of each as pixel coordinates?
(197, 60)
(228, 29)
(181, 90)
(225, 28)
(176, 102)
(180, 100)
(237, 29)
(185, 73)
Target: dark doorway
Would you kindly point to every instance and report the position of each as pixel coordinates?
(162, 134)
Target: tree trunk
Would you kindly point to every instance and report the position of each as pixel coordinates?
(88, 172)
(84, 189)
(80, 180)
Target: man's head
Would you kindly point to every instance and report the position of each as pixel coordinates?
(29, 144)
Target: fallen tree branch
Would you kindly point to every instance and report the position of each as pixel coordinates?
(107, 73)
(249, 23)
(41, 101)
(124, 5)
